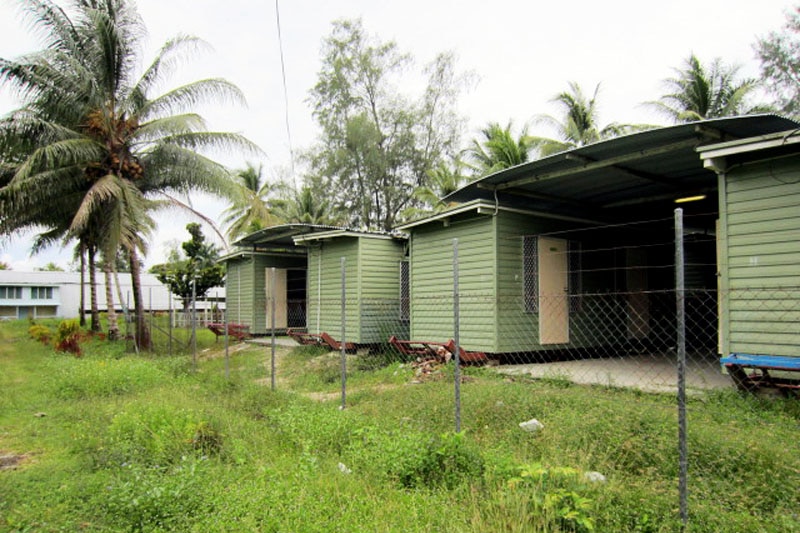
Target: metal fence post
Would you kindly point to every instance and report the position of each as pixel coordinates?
(194, 324)
(456, 338)
(343, 341)
(272, 320)
(680, 301)
(227, 356)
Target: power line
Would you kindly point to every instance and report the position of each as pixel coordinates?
(285, 91)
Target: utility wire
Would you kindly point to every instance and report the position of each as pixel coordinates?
(285, 93)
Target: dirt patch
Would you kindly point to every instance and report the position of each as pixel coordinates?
(10, 461)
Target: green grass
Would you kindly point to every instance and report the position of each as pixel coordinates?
(114, 441)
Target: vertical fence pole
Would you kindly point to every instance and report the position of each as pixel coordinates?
(272, 317)
(169, 325)
(456, 337)
(680, 301)
(194, 325)
(150, 298)
(227, 343)
(343, 341)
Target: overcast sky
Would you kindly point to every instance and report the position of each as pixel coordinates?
(523, 52)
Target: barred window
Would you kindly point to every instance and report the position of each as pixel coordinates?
(405, 291)
(41, 293)
(530, 273)
(10, 293)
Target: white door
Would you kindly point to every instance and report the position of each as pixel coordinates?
(279, 296)
(553, 291)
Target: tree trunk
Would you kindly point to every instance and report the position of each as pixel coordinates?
(82, 309)
(95, 323)
(111, 312)
(142, 340)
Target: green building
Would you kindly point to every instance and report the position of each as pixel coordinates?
(575, 251)
(373, 265)
(759, 243)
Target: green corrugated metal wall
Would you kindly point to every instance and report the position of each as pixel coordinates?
(372, 288)
(493, 316)
(760, 258)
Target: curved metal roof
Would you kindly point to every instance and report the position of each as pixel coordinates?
(632, 171)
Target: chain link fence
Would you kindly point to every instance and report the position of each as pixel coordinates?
(645, 306)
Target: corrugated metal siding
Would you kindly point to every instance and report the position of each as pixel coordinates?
(380, 290)
(763, 258)
(239, 290)
(432, 282)
(324, 300)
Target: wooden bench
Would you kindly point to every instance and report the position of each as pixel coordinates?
(319, 339)
(304, 338)
(436, 349)
(761, 371)
(238, 331)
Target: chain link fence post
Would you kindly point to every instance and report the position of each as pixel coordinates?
(680, 301)
(456, 338)
(344, 341)
(272, 326)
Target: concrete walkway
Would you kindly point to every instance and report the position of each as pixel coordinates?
(647, 373)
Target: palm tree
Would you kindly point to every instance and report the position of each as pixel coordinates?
(497, 148)
(93, 152)
(579, 124)
(700, 92)
(250, 211)
(305, 206)
(442, 180)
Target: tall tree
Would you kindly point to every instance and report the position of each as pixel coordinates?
(700, 92)
(578, 122)
(378, 143)
(497, 148)
(250, 211)
(92, 151)
(779, 52)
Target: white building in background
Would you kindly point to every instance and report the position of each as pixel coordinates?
(58, 294)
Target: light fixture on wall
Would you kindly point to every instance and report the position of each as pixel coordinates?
(690, 199)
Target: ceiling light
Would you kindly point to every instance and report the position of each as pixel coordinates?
(690, 199)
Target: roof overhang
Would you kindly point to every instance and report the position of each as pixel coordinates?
(281, 236)
(719, 157)
(624, 177)
(484, 207)
(343, 233)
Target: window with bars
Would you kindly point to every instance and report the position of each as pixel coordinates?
(41, 293)
(405, 291)
(10, 293)
(530, 274)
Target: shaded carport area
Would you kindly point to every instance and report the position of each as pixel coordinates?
(617, 198)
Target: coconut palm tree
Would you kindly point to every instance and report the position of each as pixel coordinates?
(305, 206)
(250, 211)
(699, 92)
(579, 122)
(93, 151)
(442, 180)
(497, 148)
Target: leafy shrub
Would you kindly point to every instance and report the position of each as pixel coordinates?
(40, 333)
(67, 337)
(443, 461)
(148, 499)
(161, 435)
